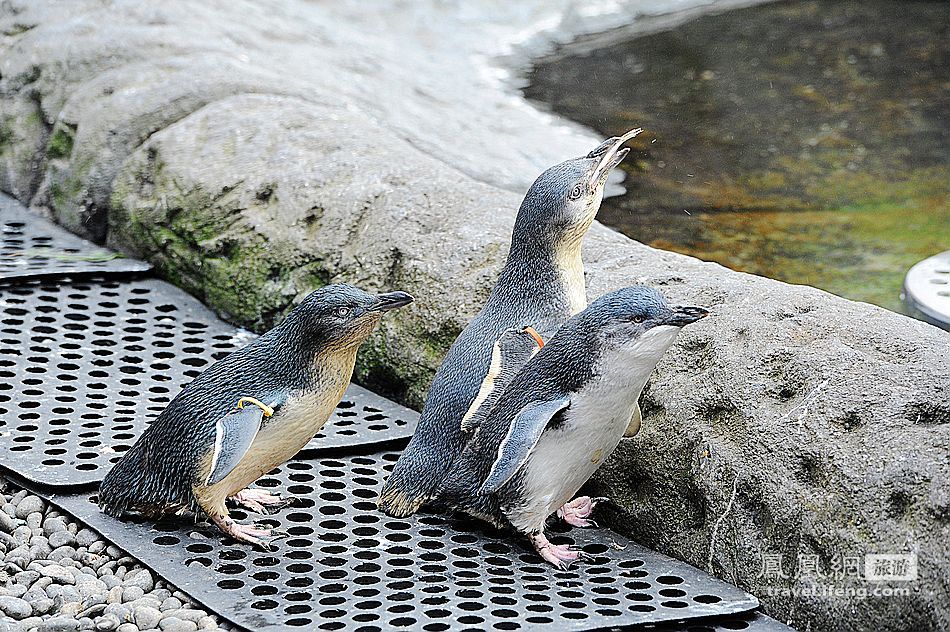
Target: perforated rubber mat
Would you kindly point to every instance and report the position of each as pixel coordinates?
(346, 566)
(31, 246)
(86, 364)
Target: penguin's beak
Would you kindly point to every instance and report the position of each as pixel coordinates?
(392, 300)
(611, 155)
(684, 315)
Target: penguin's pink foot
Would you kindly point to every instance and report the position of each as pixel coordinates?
(261, 538)
(258, 500)
(560, 555)
(578, 511)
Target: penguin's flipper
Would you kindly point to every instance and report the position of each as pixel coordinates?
(634, 426)
(523, 435)
(234, 434)
(509, 354)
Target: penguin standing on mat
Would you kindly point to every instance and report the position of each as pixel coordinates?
(563, 414)
(247, 414)
(539, 288)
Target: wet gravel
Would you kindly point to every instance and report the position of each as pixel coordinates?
(59, 576)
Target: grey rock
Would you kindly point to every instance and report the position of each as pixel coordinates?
(23, 534)
(30, 623)
(132, 593)
(29, 505)
(141, 578)
(128, 627)
(111, 581)
(115, 595)
(16, 590)
(58, 574)
(34, 521)
(42, 605)
(122, 611)
(89, 538)
(174, 624)
(7, 523)
(59, 624)
(160, 593)
(147, 617)
(61, 539)
(107, 622)
(15, 608)
(148, 601)
(26, 577)
(63, 553)
(190, 614)
(54, 525)
(172, 603)
(207, 623)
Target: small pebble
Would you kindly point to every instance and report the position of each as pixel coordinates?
(58, 574)
(30, 504)
(7, 523)
(141, 578)
(147, 617)
(59, 624)
(15, 607)
(188, 614)
(174, 624)
(88, 537)
(172, 603)
(115, 595)
(131, 593)
(61, 538)
(107, 622)
(121, 611)
(127, 627)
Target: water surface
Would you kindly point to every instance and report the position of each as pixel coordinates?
(804, 141)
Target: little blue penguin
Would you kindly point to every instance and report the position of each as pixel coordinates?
(248, 413)
(540, 287)
(563, 414)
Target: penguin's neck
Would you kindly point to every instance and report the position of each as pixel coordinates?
(547, 269)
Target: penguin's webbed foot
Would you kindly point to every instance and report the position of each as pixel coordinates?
(258, 500)
(560, 555)
(252, 534)
(577, 512)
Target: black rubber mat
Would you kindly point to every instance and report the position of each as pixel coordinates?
(748, 621)
(85, 364)
(346, 566)
(31, 246)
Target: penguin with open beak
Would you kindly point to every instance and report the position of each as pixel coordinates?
(248, 413)
(563, 414)
(539, 288)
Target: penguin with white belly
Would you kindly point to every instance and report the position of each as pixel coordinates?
(563, 413)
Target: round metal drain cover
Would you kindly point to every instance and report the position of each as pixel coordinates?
(31, 246)
(927, 290)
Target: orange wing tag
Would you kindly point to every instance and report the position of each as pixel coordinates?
(534, 334)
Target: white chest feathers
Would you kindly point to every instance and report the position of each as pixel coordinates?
(567, 456)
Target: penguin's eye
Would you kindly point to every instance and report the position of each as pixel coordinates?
(639, 319)
(343, 312)
(577, 192)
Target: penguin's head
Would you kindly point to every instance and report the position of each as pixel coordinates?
(640, 320)
(562, 203)
(341, 316)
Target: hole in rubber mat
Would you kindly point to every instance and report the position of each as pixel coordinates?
(344, 562)
(86, 364)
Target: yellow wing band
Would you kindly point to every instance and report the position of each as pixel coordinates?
(268, 411)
